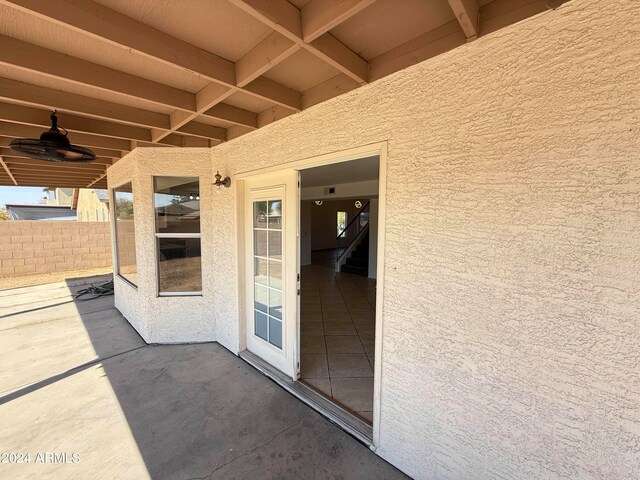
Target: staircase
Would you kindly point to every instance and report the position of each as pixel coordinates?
(358, 261)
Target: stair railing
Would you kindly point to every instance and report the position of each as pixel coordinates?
(351, 234)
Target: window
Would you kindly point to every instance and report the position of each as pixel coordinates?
(125, 233)
(342, 224)
(267, 273)
(177, 212)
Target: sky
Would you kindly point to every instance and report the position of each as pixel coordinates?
(28, 195)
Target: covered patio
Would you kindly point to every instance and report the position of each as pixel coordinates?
(485, 154)
(77, 379)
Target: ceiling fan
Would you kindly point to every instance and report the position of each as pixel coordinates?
(53, 146)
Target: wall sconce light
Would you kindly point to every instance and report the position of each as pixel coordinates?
(319, 202)
(222, 182)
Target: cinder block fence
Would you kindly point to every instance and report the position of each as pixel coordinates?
(32, 247)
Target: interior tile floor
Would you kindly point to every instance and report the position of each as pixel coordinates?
(337, 333)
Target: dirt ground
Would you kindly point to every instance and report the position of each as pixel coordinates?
(29, 280)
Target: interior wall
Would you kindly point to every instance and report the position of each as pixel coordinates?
(512, 257)
(373, 238)
(367, 189)
(324, 221)
(305, 233)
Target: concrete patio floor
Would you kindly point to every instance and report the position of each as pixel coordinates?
(75, 378)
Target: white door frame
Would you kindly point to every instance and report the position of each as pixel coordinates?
(379, 149)
(283, 186)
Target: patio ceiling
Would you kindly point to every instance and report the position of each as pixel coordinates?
(135, 73)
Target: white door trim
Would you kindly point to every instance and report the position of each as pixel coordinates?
(379, 149)
(282, 186)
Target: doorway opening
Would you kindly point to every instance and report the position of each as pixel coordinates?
(338, 265)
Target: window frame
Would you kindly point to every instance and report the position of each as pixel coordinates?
(115, 232)
(346, 223)
(158, 236)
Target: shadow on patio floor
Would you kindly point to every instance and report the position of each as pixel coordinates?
(76, 378)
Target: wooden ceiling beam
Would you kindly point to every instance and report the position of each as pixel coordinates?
(206, 98)
(6, 169)
(54, 64)
(38, 117)
(51, 98)
(320, 16)
(54, 183)
(466, 12)
(231, 114)
(13, 158)
(272, 114)
(33, 95)
(101, 177)
(267, 89)
(69, 173)
(264, 56)
(280, 15)
(331, 88)
(202, 130)
(108, 25)
(339, 56)
(25, 173)
(16, 130)
(437, 41)
(286, 19)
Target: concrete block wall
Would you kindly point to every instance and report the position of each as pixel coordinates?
(32, 247)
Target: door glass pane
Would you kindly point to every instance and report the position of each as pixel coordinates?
(275, 208)
(261, 272)
(275, 274)
(275, 303)
(275, 244)
(261, 325)
(267, 270)
(260, 243)
(261, 300)
(275, 332)
(260, 214)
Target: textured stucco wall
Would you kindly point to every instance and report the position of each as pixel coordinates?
(166, 319)
(511, 331)
(511, 341)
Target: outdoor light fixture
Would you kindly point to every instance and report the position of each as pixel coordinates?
(53, 146)
(222, 182)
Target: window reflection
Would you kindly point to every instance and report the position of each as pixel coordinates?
(125, 233)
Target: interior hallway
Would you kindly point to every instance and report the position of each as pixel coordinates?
(338, 330)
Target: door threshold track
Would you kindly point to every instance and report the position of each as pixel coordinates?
(343, 419)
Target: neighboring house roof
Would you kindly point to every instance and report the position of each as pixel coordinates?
(103, 195)
(41, 212)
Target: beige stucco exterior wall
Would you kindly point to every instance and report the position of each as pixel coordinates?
(511, 330)
(511, 323)
(165, 319)
(90, 208)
